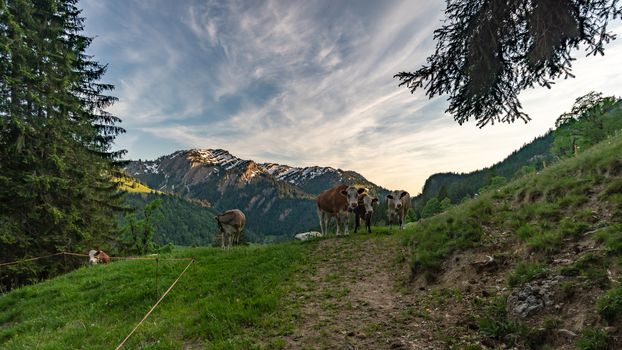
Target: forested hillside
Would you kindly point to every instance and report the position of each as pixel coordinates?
(592, 118)
(177, 221)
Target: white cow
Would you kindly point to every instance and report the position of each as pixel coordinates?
(398, 203)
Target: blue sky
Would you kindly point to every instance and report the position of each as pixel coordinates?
(305, 83)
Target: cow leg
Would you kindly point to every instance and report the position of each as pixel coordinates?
(222, 239)
(320, 215)
(338, 222)
(346, 223)
(368, 222)
(326, 222)
(356, 222)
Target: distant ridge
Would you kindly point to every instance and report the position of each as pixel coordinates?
(278, 199)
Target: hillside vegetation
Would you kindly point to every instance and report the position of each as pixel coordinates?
(226, 300)
(592, 118)
(533, 264)
(539, 255)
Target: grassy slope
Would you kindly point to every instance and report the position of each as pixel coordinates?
(235, 299)
(565, 222)
(228, 299)
(132, 186)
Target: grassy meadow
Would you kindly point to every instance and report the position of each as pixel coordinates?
(226, 300)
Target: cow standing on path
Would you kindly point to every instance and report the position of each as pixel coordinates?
(231, 223)
(337, 202)
(399, 203)
(364, 211)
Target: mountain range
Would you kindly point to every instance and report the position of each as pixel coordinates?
(279, 200)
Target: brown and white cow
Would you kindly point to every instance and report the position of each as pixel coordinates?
(98, 256)
(231, 223)
(364, 211)
(398, 203)
(337, 202)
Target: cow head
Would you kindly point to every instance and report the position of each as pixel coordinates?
(396, 197)
(368, 201)
(352, 194)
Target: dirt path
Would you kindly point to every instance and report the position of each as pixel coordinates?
(353, 299)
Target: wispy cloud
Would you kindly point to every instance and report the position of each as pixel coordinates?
(304, 83)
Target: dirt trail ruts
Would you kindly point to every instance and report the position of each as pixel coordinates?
(352, 299)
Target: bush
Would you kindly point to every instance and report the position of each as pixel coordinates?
(609, 306)
(546, 242)
(525, 232)
(525, 272)
(593, 339)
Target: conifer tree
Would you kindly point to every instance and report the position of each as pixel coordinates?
(488, 51)
(56, 164)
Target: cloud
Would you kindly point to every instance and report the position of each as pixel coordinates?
(305, 83)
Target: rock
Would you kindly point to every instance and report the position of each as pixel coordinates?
(531, 297)
(566, 332)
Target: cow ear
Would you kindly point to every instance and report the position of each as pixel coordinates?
(344, 193)
(361, 190)
(389, 196)
(403, 194)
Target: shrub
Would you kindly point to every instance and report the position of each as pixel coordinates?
(611, 237)
(609, 306)
(525, 232)
(546, 242)
(525, 272)
(593, 339)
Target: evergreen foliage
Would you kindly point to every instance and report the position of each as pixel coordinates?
(487, 52)
(56, 162)
(184, 222)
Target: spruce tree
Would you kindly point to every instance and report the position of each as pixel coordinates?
(56, 164)
(488, 51)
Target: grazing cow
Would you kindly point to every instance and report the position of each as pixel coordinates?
(337, 202)
(364, 211)
(307, 235)
(98, 256)
(231, 223)
(399, 203)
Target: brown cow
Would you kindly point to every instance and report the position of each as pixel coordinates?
(98, 256)
(337, 202)
(399, 203)
(231, 224)
(364, 211)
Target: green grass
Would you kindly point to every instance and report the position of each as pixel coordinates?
(593, 339)
(525, 272)
(543, 210)
(226, 300)
(609, 305)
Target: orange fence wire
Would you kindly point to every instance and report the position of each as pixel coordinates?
(154, 306)
(86, 255)
(30, 259)
(119, 258)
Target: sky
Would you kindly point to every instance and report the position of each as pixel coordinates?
(306, 83)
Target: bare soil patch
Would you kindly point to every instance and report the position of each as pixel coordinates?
(355, 299)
